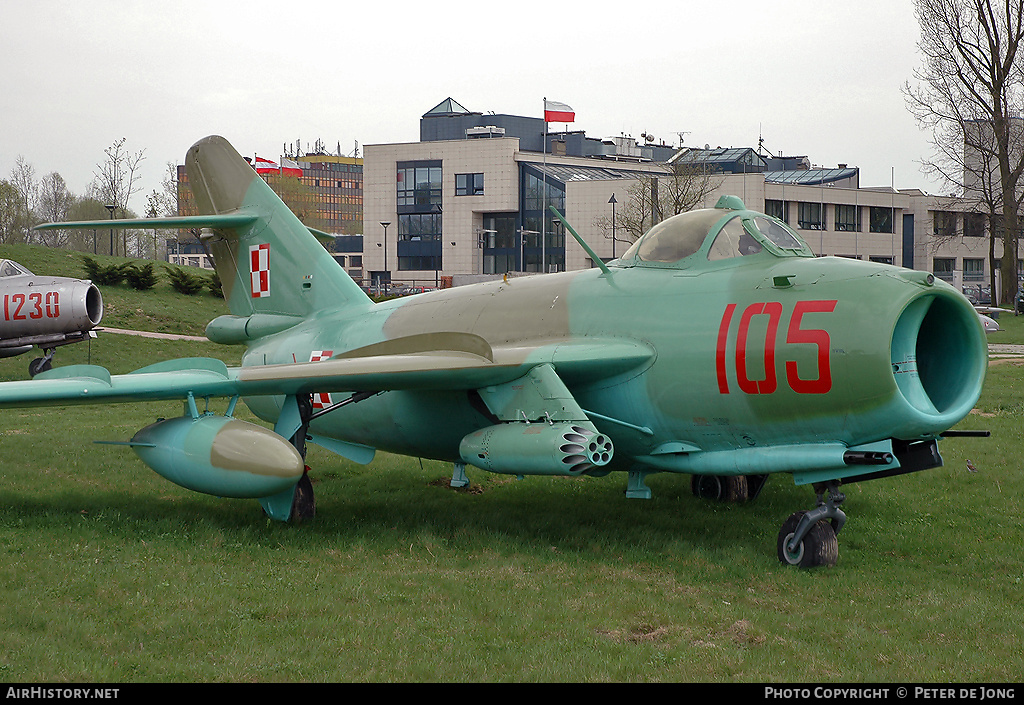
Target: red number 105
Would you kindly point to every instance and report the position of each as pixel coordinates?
(795, 334)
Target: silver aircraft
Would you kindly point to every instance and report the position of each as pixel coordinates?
(44, 311)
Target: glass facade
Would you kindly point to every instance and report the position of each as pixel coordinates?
(420, 220)
(537, 193)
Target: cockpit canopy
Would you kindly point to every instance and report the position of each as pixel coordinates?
(10, 268)
(726, 231)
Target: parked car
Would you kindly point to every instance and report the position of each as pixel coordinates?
(978, 295)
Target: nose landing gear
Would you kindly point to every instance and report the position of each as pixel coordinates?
(808, 538)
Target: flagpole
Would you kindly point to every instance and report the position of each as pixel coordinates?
(544, 209)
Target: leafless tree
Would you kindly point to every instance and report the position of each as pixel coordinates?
(9, 209)
(654, 197)
(117, 180)
(23, 178)
(55, 201)
(969, 90)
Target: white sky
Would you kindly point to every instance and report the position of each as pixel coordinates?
(814, 77)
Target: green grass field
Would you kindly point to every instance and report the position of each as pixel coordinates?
(112, 574)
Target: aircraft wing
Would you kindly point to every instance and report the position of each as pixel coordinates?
(209, 377)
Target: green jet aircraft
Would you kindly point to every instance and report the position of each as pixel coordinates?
(717, 346)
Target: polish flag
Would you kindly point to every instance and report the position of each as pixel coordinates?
(558, 112)
(265, 166)
(290, 168)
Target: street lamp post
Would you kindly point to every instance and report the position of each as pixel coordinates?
(387, 274)
(613, 202)
(111, 209)
(522, 252)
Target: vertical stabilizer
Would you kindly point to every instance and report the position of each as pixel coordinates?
(272, 264)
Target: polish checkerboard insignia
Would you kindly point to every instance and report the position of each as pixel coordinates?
(321, 400)
(259, 266)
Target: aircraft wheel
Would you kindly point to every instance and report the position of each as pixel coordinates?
(819, 547)
(40, 364)
(304, 503)
(720, 488)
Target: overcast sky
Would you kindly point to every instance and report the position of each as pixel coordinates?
(813, 77)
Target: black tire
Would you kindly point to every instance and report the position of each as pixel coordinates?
(720, 488)
(820, 548)
(304, 503)
(40, 364)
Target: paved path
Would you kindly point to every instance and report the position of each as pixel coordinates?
(147, 334)
(1000, 349)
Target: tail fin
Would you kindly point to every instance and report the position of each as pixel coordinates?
(270, 264)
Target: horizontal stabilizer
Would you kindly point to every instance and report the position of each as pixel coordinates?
(223, 220)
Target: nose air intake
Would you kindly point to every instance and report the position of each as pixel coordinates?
(94, 305)
(939, 356)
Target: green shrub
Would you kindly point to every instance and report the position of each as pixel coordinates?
(140, 277)
(184, 282)
(105, 275)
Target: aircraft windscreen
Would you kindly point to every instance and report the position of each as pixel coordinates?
(733, 240)
(675, 238)
(778, 234)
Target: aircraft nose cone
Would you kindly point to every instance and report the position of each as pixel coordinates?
(939, 356)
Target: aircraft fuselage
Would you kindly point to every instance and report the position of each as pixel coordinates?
(805, 350)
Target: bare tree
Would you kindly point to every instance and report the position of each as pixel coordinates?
(970, 87)
(9, 208)
(23, 178)
(117, 180)
(55, 201)
(654, 197)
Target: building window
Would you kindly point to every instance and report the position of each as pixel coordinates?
(419, 263)
(419, 184)
(974, 224)
(847, 218)
(942, 267)
(777, 209)
(943, 224)
(974, 269)
(414, 227)
(881, 220)
(881, 259)
(469, 184)
(811, 216)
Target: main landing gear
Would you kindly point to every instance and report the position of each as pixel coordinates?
(41, 364)
(808, 538)
(727, 488)
(303, 500)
